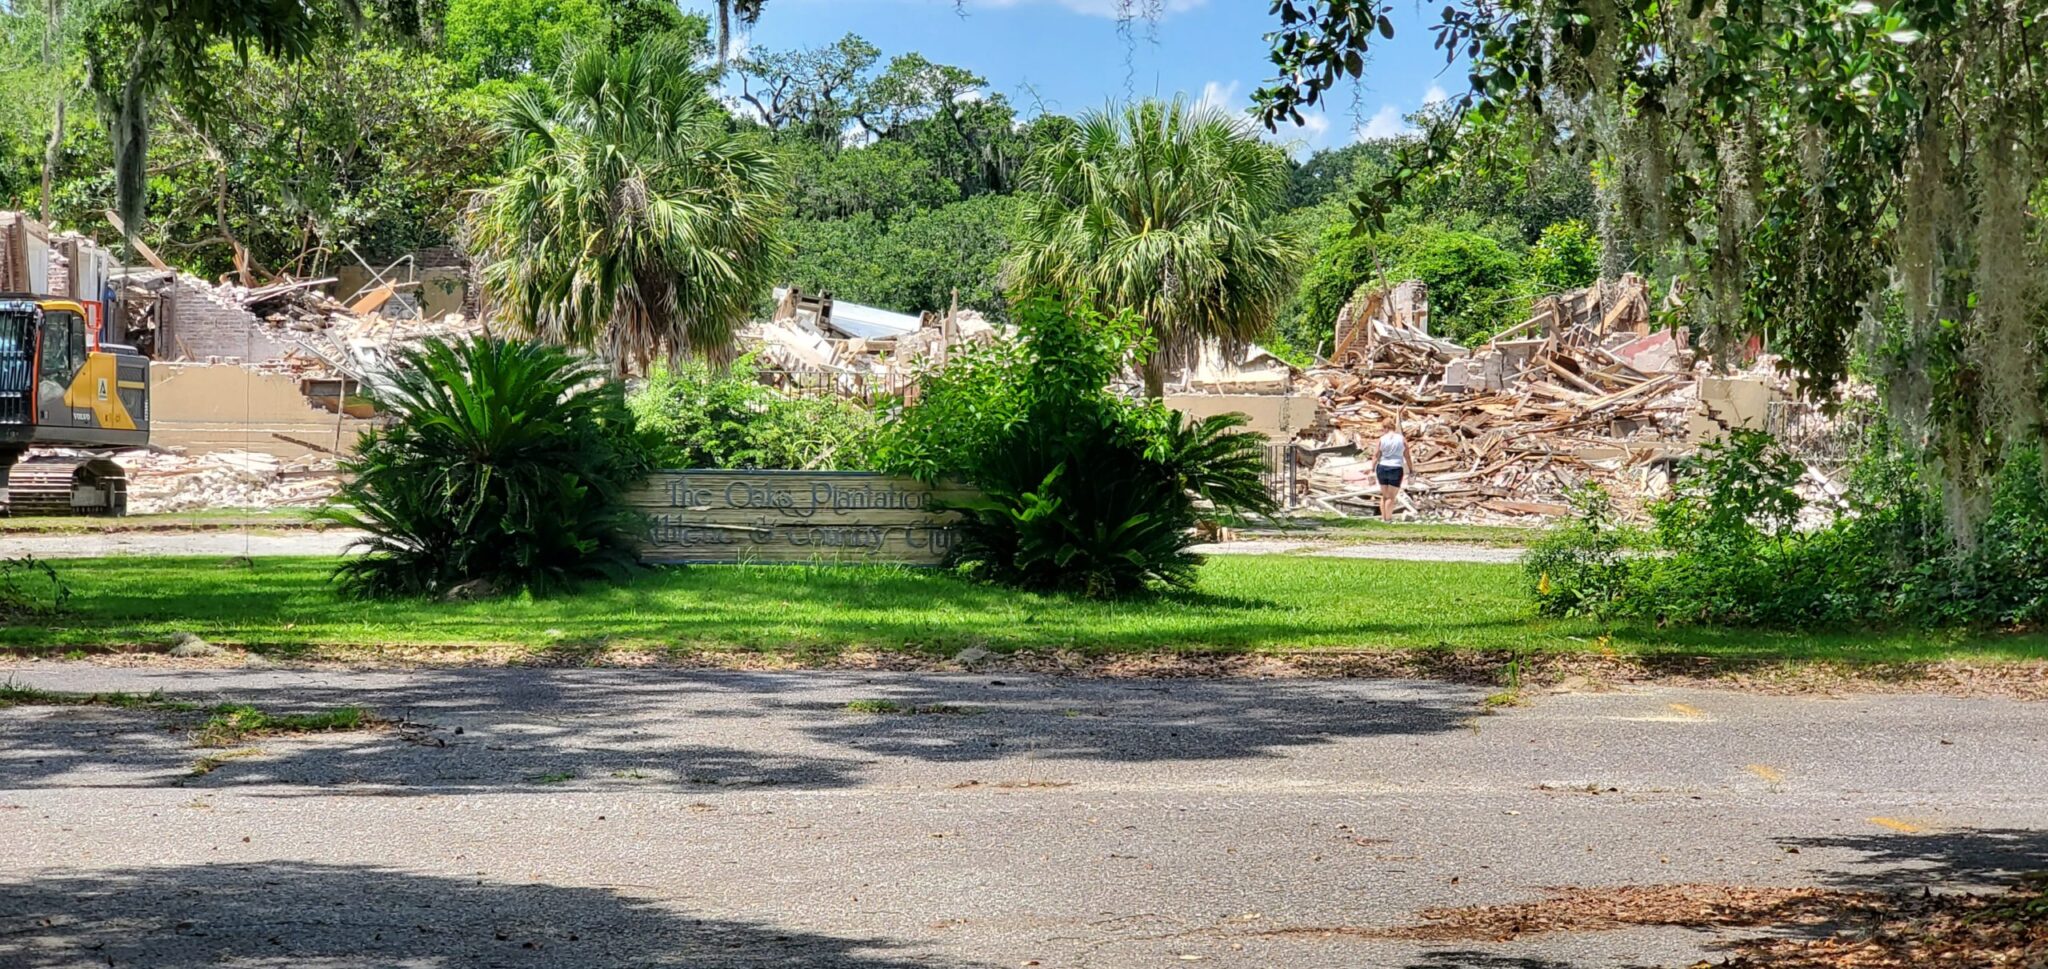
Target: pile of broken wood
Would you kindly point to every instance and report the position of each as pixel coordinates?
(1587, 392)
(355, 339)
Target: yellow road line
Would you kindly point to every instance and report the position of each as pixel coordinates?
(1688, 710)
(1767, 772)
(1895, 824)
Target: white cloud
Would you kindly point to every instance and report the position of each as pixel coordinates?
(1387, 122)
(1435, 95)
(1100, 8)
(1221, 96)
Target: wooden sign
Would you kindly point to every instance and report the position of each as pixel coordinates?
(738, 517)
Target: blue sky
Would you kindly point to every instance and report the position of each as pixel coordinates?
(1068, 56)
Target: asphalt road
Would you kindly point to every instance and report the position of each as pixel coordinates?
(622, 818)
(336, 542)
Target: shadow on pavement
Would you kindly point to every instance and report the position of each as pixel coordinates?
(529, 729)
(1962, 858)
(296, 914)
(1164, 720)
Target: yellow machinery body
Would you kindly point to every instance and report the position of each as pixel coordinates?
(60, 386)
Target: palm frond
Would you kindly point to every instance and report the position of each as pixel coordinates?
(630, 220)
(1166, 209)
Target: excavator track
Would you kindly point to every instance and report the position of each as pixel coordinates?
(67, 486)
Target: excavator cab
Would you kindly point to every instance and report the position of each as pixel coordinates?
(61, 387)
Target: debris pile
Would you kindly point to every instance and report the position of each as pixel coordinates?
(815, 342)
(162, 482)
(348, 339)
(1583, 391)
(291, 327)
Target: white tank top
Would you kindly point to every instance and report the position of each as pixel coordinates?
(1393, 449)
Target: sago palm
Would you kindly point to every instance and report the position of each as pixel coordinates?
(504, 461)
(1164, 209)
(630, 219)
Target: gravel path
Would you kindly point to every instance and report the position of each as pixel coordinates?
(622, 818)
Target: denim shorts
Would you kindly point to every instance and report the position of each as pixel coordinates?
(1390, 475)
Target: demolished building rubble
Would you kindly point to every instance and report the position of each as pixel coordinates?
(813, 343)
(167, 483)
(1587, 390)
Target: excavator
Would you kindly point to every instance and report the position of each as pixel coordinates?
(61, 387)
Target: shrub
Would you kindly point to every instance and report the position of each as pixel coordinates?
(1081, 490)
(504, 462)
(1727, 551)
(2004, 572)
(1577, 568)
(702, 417)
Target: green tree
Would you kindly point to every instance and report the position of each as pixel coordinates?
(1510, 171)
(522, 42)
(884, 179)
(1081, 488)
(832, 96)
(1331, 171)
(1164, 209)
(747, 12)
(1565, 257)
(507, 39)
(1476, 284)
(698, 416)
(37, 43)
(359, 142)
(813, 93)
(913, 262)
(943, 113)
(631, 218)
(1800, 165)
(134, 48)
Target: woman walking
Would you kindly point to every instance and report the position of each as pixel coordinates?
(1391, 467)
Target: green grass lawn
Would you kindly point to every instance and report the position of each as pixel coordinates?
(1243, 603)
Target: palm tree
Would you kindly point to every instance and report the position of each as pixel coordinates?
(630, 219)
(1163, 209)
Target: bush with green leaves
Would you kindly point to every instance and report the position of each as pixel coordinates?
(1578, 568)
(1726, 549)
(699, 416)
(504, 462)
(1081, 490)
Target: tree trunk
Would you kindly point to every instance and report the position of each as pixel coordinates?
(1154, 372)
(52, 154)
(54, 151)
(724, 32)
